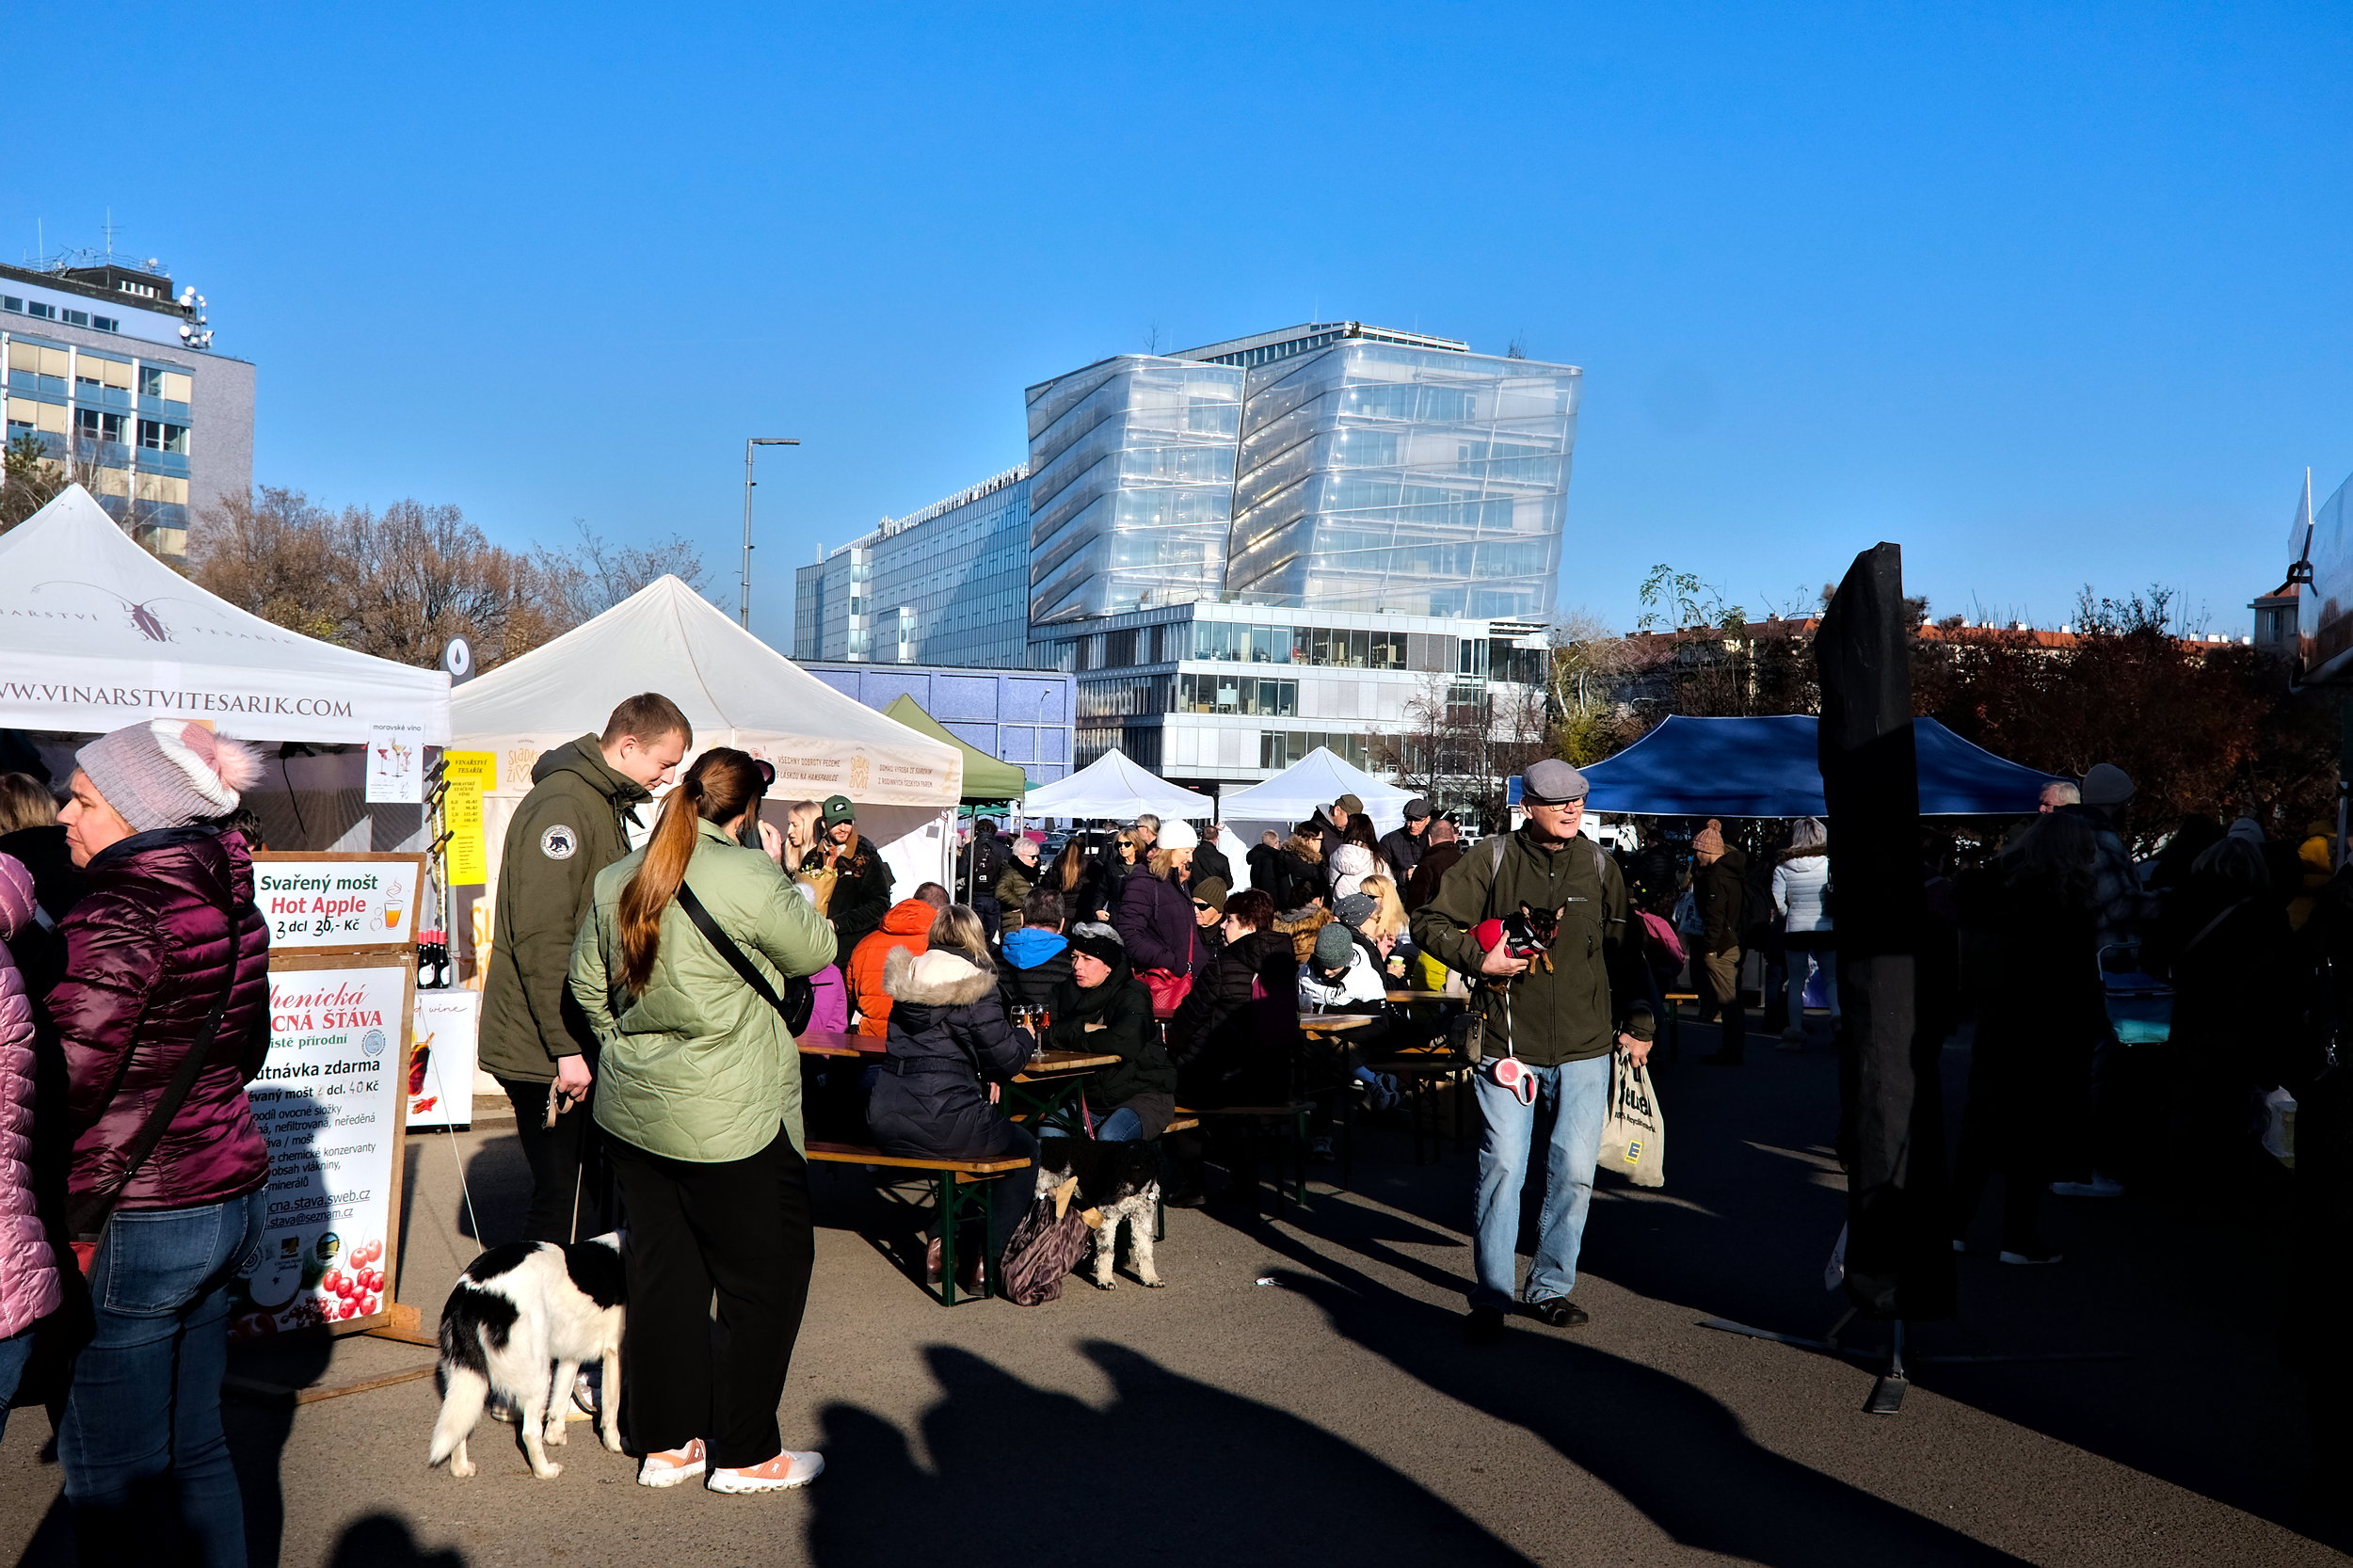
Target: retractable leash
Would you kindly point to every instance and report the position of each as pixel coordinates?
(433, 1069)
(1507, 1072)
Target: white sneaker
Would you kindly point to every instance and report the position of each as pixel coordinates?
(783, 1473)
(584, 1396)
(2098, 1186)
(673, 1465)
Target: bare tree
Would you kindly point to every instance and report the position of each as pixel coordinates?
(598, 574)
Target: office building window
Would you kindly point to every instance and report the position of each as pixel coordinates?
(158, 435)
(1281, 749)
(1236, 693)
(96, 424)
(46, 312)
(107, 324)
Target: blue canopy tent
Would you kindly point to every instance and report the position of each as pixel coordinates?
(1766, 767)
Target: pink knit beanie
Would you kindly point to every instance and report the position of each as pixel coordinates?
(169, 773)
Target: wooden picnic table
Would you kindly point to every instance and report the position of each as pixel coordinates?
(1334, 1023)
(827, 1042)
(1407, 999)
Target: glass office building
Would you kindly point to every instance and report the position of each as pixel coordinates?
(945, 585)
(1132, 478)
(1373, 475)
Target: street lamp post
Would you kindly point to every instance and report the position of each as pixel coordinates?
(744, 605)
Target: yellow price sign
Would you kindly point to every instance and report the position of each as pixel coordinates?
(470, 773)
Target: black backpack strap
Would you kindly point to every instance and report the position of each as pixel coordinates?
(88, 1216)
(724, 945)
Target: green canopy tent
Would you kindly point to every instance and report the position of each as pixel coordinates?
(985, 777)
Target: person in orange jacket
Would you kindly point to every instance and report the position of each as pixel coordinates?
(908, 924)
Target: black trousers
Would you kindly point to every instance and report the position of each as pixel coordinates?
(565, 1163)
(739, 1228)
(2007, 1129)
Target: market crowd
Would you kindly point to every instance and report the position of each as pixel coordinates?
(655, 967)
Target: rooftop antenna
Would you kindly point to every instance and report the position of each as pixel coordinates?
(108, 228)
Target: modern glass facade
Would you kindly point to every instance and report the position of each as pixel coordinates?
(1376, 476)
(1132, 476)
(945, 585)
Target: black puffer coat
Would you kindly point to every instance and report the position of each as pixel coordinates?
(948, 1037)
(1218, 1041)
(1123, 1010)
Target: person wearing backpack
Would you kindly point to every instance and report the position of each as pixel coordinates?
(1720, 896)
(1547, 1034)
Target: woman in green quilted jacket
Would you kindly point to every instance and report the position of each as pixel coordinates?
(700, 1100)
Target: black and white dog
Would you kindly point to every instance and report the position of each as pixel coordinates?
(523, 1320)
(1120, 1182)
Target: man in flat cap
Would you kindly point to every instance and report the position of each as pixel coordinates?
(1402, 847)
(1556, 1027)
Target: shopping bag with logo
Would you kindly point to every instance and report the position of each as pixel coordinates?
(1634, 1134)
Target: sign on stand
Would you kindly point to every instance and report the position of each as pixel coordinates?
(331, 1099)
(443, 1034)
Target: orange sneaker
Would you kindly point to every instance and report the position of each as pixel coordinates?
(780, 1474)
(672, 1465)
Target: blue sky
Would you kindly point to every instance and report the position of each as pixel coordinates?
(2050, 294)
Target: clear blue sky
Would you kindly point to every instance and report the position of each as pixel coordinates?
(2048, 294)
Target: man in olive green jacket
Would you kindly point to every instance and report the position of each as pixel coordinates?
(574, 822)
(1548, 1031)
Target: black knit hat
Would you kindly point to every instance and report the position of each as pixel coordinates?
(1097, 941)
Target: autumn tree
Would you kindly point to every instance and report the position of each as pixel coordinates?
(400, 583)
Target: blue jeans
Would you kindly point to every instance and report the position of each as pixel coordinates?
(15, 1351)
(144, 1455)
(1122, 1126)
(1579, 1094)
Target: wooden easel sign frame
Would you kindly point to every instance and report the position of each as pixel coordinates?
(331, 1098)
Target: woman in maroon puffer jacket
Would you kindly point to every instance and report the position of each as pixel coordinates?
(167, 935)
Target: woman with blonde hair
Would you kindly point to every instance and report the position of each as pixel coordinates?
(1154, 914)
(830, 1014)
(680, 969)
(1389, 920)
(950, 1050)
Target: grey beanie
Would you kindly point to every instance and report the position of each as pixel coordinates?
(1335, 947)
(169, 773)
(1355, 910)
(1552, 783)
(2108, 785)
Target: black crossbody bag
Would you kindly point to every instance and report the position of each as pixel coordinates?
(800, 998)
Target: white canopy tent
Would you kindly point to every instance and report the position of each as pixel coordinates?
(737, 692)
(1316, 780)
(96, 633)
(1114, 787)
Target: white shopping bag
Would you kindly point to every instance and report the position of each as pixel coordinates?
(1634, 1134)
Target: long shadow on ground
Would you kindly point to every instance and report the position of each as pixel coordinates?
(1171, 1471)
(1666, 1447)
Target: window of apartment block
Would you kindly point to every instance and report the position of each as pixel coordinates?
(77, 318)
(24, 413)
(97, 424)
(39, 360)
(156, 381)
(107, 324)
(35, 308)
(158, 436)
(160, 487)
(89, 370)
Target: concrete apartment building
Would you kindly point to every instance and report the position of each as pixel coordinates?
(113, 373)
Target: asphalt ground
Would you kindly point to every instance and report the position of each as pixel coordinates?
(1301, 1393)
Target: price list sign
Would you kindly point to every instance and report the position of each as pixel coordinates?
(337, 901)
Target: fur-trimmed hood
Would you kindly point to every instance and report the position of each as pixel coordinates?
(939, 978)
(1307, 847)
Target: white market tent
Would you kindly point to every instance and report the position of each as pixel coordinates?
(1313, 782)
(737, 692)
(96, 633)
(1114, 787)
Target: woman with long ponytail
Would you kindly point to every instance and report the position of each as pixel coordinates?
(680, 969)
